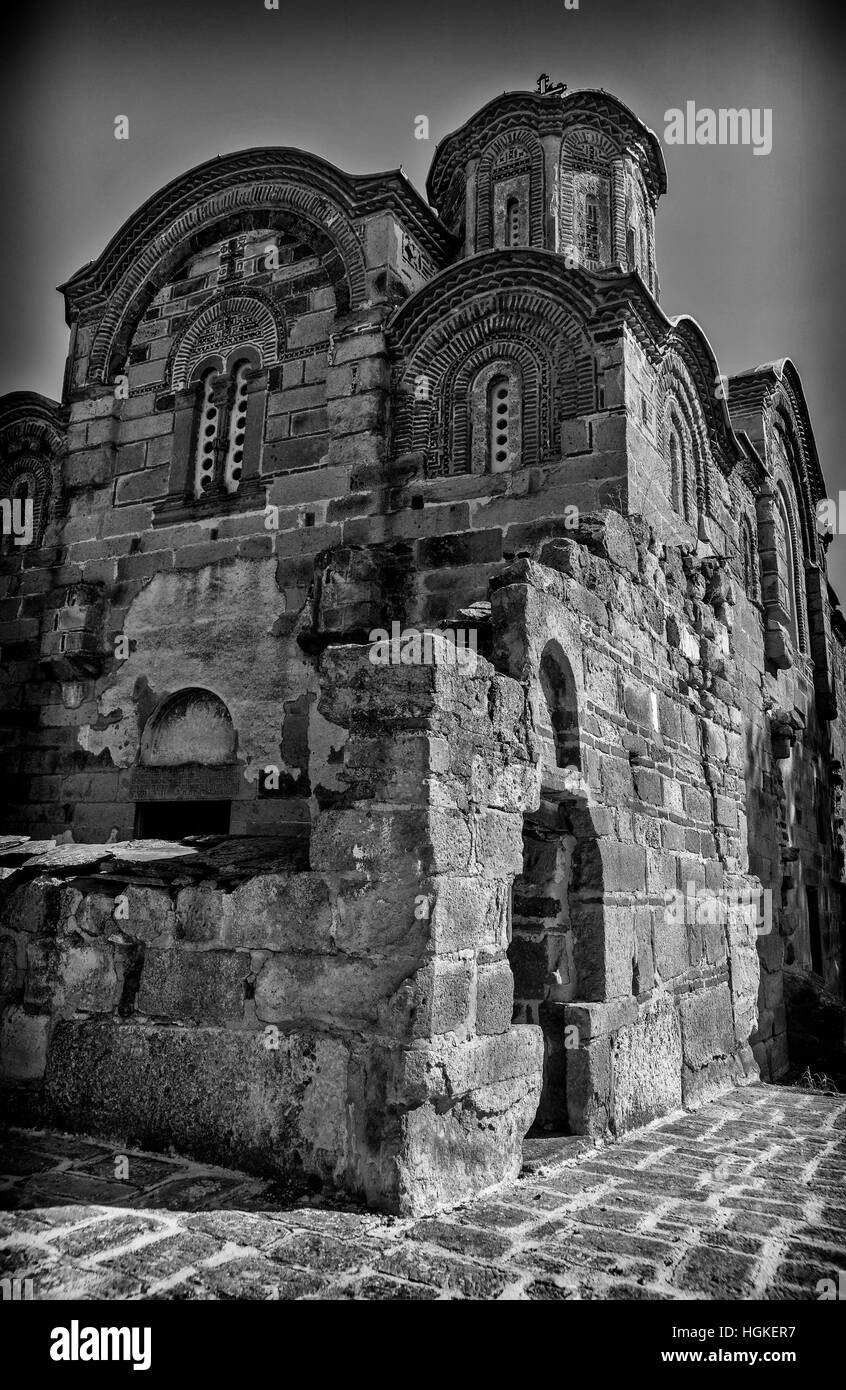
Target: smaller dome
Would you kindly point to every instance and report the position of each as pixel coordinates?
(577, 174)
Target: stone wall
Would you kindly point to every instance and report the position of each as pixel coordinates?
(353, 1021)
(658, 990)
(655, 721)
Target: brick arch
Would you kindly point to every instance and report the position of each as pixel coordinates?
(318, 219)
(438, 423)
(677, 394)
(266, 333)
(571, 150)
(678, 432)
(785, 495)
(783, 425)
(534, 375)
(524, 141)
(512, 303)
(32, 448)
(189, 726)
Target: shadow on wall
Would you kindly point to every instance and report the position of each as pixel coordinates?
(557, 900)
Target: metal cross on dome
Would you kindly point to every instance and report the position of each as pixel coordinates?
(546, 88)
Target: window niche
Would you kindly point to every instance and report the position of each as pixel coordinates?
(682, 473)
(187, 774)
(681, 446)
(496, 409)
(789, 598)
(781, 568)
(510, 199)
(218, 371)
(218, 422)
(510, 172)
(25, 484)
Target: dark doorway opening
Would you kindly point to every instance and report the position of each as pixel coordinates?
(173, 820)
(558, 858)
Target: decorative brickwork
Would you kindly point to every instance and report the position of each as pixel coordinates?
(386, 908)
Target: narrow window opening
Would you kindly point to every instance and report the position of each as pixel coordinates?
(788, 590)
(675, 474)
(499, 415)
(237, 431)
(512, 222)
(592, 227)
(206, 437)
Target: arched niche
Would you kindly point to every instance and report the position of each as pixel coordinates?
(557, 920)
(193, 726)
(289, 209)
(229, 321)
(187, 773)
(557, 708)
(788, 567)
(510, 170)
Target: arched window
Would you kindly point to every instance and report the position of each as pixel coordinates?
(237, 428)
(591, 235)
(220, 427)
(676, 481)
(682, 495)
(510, 171)
(206, 436)
(499, 423)
(494, 402)
(788, 591)
(559, 727)
(682, 467)
(24, 492)
(16, 514)
(219, 372)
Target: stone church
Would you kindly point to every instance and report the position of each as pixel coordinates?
(285, 907)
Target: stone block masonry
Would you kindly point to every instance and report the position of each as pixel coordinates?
(421, 906)
(354, 1020)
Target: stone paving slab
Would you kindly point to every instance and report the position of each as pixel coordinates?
(745, 1199)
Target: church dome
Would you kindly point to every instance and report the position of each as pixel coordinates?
(572, 172)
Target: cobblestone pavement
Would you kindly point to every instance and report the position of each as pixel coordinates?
(744, 1199)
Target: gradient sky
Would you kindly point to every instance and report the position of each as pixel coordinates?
(750, 246)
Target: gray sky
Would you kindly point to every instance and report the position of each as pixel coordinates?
(749, 245)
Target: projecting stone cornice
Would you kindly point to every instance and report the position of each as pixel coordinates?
(756, 395)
